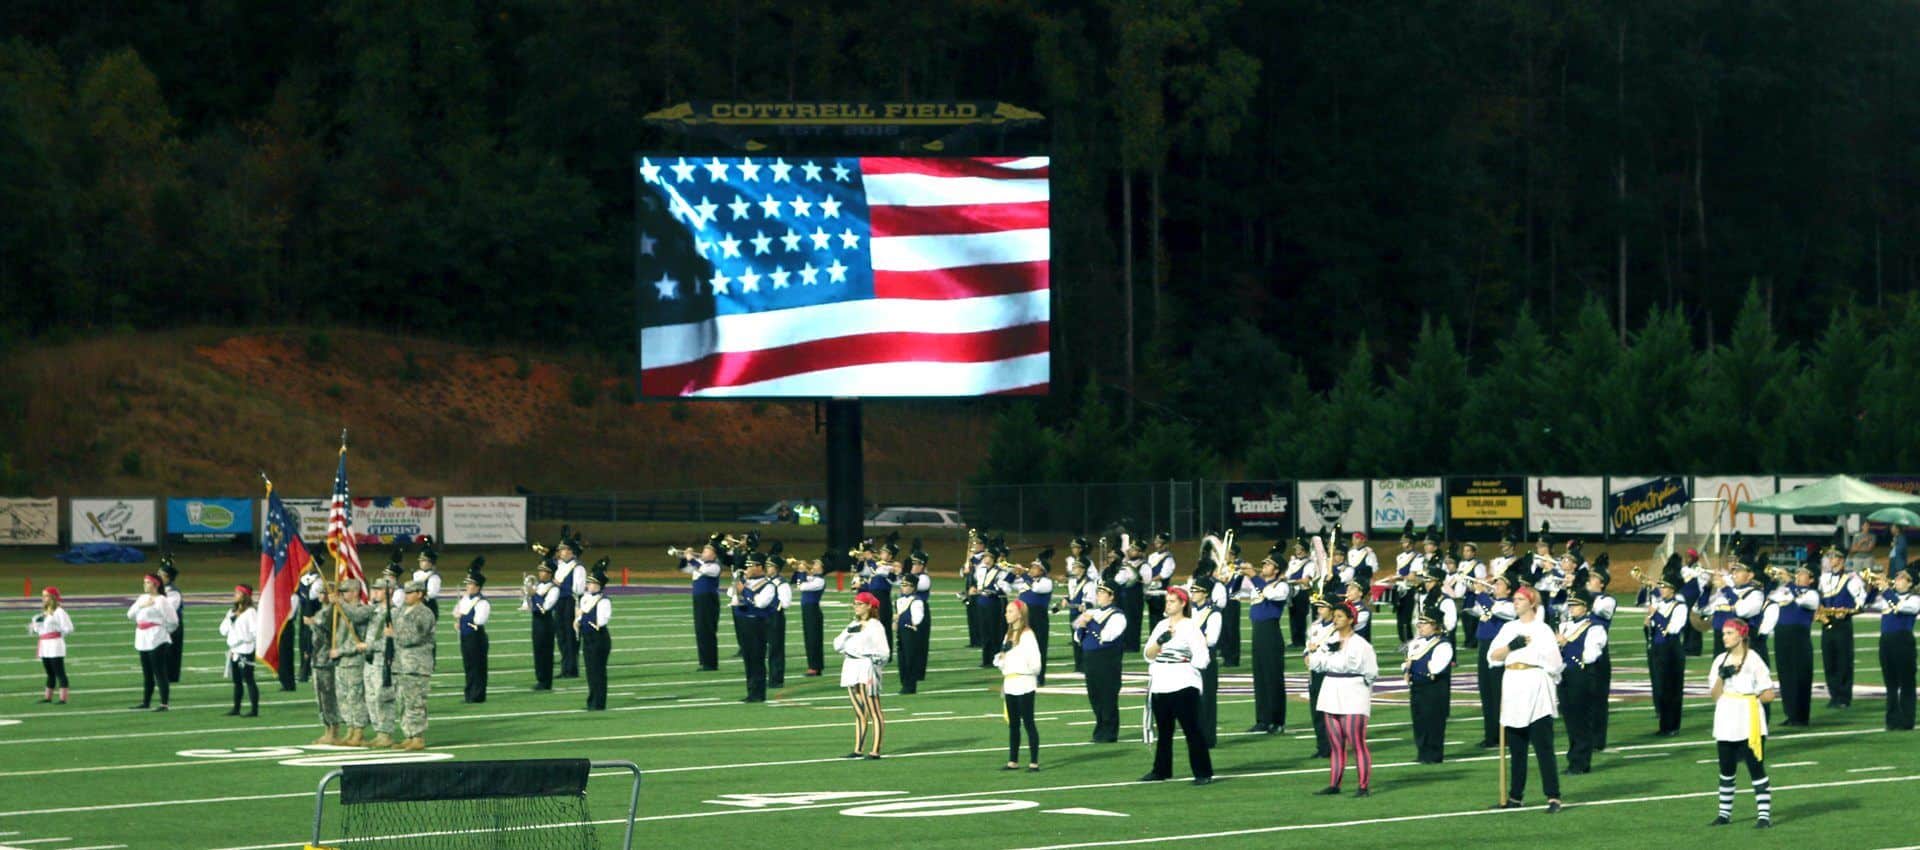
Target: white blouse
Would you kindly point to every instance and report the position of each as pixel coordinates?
(1020, 667)
(1347, 674)
(1732, 712)
(1181, 658)
(1528, 694)
(153, 618)
(241, 633)
(52, 630)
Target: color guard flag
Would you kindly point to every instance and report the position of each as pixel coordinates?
(346, 556)
(282, 558)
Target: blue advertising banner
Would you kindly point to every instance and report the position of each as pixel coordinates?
(210, 520)
(1646, 505)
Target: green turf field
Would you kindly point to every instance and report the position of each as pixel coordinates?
(93, 774)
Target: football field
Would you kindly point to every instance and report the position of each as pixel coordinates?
(93, 774)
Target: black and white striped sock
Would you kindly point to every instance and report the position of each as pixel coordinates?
(1763, 799)
(1726, 796)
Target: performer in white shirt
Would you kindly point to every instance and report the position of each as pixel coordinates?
(1429, 674)
(241, 628)
(596, 643)
(1529, 655)
(153, 619)
(470, 617)
(1583, 643)
(1176, 652)
(863, 649)
(50, 628)
(1740, 684)
(1347, 666)
(1019, 663)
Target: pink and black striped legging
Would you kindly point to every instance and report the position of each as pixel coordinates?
(1344, 730)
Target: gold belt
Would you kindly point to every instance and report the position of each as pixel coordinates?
(1520, 667)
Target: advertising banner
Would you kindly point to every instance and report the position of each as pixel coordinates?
(1736, 490)
(29, 522)
(386, 520)
(1394, 501)
(1812, 525)
(1572, 505)
(1328, 503)
(129, 522)
(312, 515)
(1481, 508)
(485, 519)
(1647, 505)
(209, 520)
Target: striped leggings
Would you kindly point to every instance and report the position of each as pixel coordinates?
(1344, 730)
(1731, 754)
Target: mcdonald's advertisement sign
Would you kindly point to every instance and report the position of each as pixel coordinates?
(1734, 491)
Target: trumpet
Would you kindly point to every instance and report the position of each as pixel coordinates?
(679, 551)
(1877, 578)
(540, 549)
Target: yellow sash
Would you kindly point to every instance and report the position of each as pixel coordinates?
(1754, 737)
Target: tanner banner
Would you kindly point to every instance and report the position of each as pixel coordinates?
(1733, 491)
(385, 520)
(129, 522)
(29, 522)
(1265, 505)
(1480, 508)
(1394, 501)
(312, 516)
(485, 519)
(1325, 504)
(1647, 505)
(1570, 505)
(209, 520)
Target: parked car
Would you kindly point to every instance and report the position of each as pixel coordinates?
(783, 511)
(934, 517)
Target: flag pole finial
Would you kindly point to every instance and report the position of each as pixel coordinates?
(343, 440)
(268, 481)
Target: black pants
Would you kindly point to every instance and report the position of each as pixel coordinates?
(1836, 660)
(288, 639)
(1037, 620)
(1689, 638)
(242, 673)
(1577, 712)
(1489, 699)
(1229, 634)
(1134, 602)
(1269, 675)
(473, 661)
(1430, 703)
(1183, 706)
(1403, 615)
(1540, 734)
(1602, 672)
(173, 653)
(1322, 745)
(1156, 609)
(777, 648)
(1103, 692)
(1020, 713)
(972, 604)
(993, 627)
(706, 629)
(908, 647)
(810, 634)
(1793, 647)
(1297, 620)
(753, 651)
(563, 613)
(596, 645)
(885, 615)
(1469, 631)
(56, 671)
(543, 651)
(1667, 667)
(306, 650)
(1073, 637)
(153, 671)
(1210, 704)
(1896, 666)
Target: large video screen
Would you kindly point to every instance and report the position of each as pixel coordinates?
(842, 277)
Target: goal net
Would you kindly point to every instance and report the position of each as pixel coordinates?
(503, 805)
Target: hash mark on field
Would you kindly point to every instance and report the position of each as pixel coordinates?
(1647, 756)
(1796, 764)
(1871, 769)
(916, 714)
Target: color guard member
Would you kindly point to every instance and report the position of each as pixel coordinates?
(241, 628)
(1740, 684)
(1529, 657)
(412, 633)
(325, 696)
(50, 628)
(1176, 652)
(153, 619)
(1348, 667)
(863, 654)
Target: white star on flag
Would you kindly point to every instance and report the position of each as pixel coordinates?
(836, 273)
(719, 282)
(716, 170)
(708, 209)
(811, 170)
(840, 172)
(749, 282)
(761, 243)
(646, 243)
(669, 288)
(821, 239)
(682, 172)
(770, 207)
(829, 208)
(729, 247)
(779, 277)
(791, 240)
(749, 171)
(780, 169)
(648, 171)
(701, 246)
(848, 239)
(800, 206)
(739, 207)
(809, 275)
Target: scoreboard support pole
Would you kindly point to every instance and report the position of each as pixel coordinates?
(846, 476)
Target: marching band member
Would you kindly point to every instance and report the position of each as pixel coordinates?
(50, 628)
(1102, 630)
(1796, 603)
(777, 618)
(1207, 616)
(1582, 644)
(1347, 666)
(1493, 607)
(1408, 569)
(1319, 633)
(1666, 648)
(1601, 607)
(1020, 660)
(1355, 593)
(704, 569)
(1269, 594)
(1035, 589)
(1552, 585)
(542, 604)
(1897, 603)
(755, 597)
(1078, 570)
(413, 657)
(882, 578)
(178, 631)
(1227, 652)
(241, 628)
(994, 586)
(1429, 674)
(427, 571)
(570, 580)
(921, 582)
(812, 584)
(1695, 574)
(1176, 652)
(1735, 596)
(1432, 593)
(1362, 561)
(1157, 577)
(1132, 575)
(308, 597)
(325, 695)
(908, 639)
(863, 649)
(1459, 588)
(975, 569)
(1740, 684)
(1300, 575)
(1529, 657)
(153, 619)
(1841, 595)
(595, 642)
(470, 615)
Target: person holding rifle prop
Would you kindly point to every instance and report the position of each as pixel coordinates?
(1528, 655)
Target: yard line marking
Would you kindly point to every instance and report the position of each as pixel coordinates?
(11, 842)
(1789, 764)
(929, 713)
(1653, 756)
(1871, 769)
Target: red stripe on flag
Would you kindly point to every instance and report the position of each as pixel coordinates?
(276, 599)
(888, 220)
(1032, 389)
(949, 167)
(963, 281)
(745, 367)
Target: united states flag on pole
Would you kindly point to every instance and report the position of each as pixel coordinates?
(849, 276)
(346, 556)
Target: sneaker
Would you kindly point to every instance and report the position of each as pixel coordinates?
(1363, 793)
(1553, 807)
(1763, 823)
(160, 707)
(141, 707)
(1329, 791)
(1203, 780)
(1511, 804)
(1259, 727)
(1153, 777)
(1721, 820)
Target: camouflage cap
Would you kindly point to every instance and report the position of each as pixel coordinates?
(416, 586)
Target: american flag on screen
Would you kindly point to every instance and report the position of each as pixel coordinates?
(848, 276)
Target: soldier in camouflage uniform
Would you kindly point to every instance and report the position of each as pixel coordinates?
(412, 632)
(379, 673)
(351, 650)
(321, 623)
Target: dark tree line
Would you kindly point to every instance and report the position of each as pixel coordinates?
(1280, 174)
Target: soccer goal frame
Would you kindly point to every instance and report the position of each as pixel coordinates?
(633, 798)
